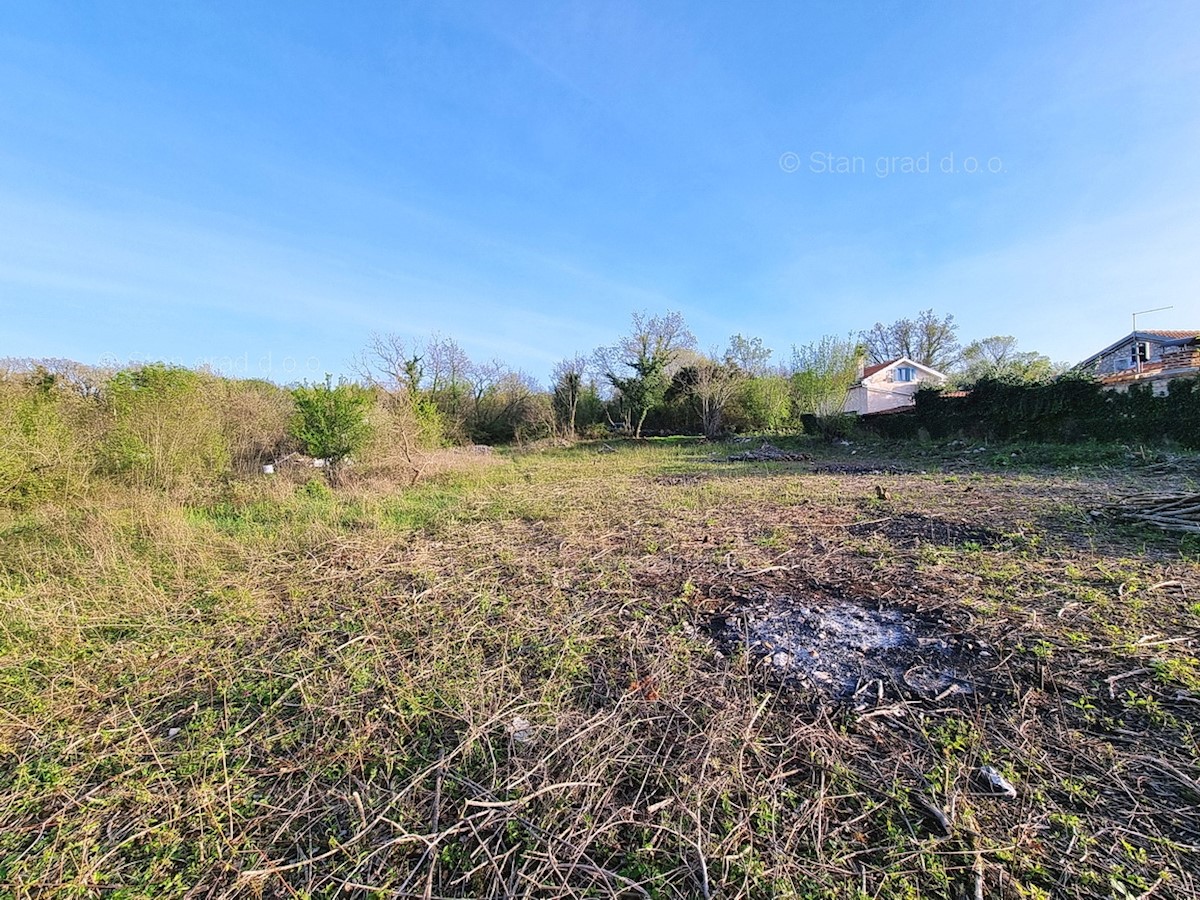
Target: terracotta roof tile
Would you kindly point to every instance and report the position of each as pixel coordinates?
(1171, 335)
(871, 370)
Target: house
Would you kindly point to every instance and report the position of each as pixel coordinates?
(1155, 358)
(890, 386)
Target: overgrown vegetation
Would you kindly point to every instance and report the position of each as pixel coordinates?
(66, 434)
(462, 672)
(823, 373)
(499, 681)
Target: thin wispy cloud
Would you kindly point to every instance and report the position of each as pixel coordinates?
(183, 179)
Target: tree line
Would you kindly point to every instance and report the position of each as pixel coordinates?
(655, 378)
(165, 426)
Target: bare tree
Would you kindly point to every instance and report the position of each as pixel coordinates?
(434, 370)
(447, 376)
(447, 365)
(397, 440)
(656, 339)
(927, 339)
(710, 386)
(394, 362)
(569, 377)
(749, 354)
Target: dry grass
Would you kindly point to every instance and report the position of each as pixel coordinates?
(499, 683)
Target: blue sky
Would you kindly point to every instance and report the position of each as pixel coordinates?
(262, 185)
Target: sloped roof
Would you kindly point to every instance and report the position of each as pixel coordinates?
(1173, 335)
(1174, 366)
(890, 411)
(1183, 336)
(879, 367)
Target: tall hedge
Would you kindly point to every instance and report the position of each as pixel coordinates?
(1062, 411)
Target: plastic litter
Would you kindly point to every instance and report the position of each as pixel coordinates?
(998, 782)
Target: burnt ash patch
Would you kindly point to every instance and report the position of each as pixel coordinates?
(908, 530)
(846, 650)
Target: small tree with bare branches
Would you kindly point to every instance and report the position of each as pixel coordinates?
(638, 365)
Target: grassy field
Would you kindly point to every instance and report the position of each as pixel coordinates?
(502, 682)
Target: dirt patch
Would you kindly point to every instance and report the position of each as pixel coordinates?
(847, 650)
(859, 468)
(676, 480)
(909, 530)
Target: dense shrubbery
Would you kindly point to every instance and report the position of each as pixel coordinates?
(1066, 410)
(44, 449)
(184, 432)
(165, 429)
(762, 403)
(255, 416)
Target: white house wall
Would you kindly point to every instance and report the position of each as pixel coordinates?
(878, 393)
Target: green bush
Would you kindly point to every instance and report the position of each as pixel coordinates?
(762, 404)
(165, 431)
(330, 421)
(43, 452)
(430, 427)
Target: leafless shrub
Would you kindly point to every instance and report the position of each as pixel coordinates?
(254, 418)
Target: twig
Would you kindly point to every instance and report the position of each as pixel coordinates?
(278, 700)
(1111, 680)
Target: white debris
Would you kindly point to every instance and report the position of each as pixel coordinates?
(998, 782)
(520, 729)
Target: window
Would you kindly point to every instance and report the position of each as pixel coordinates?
(906, 373)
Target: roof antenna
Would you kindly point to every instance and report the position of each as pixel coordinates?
(1137, 355)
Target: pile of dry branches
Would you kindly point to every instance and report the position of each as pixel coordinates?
(1172, 511)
